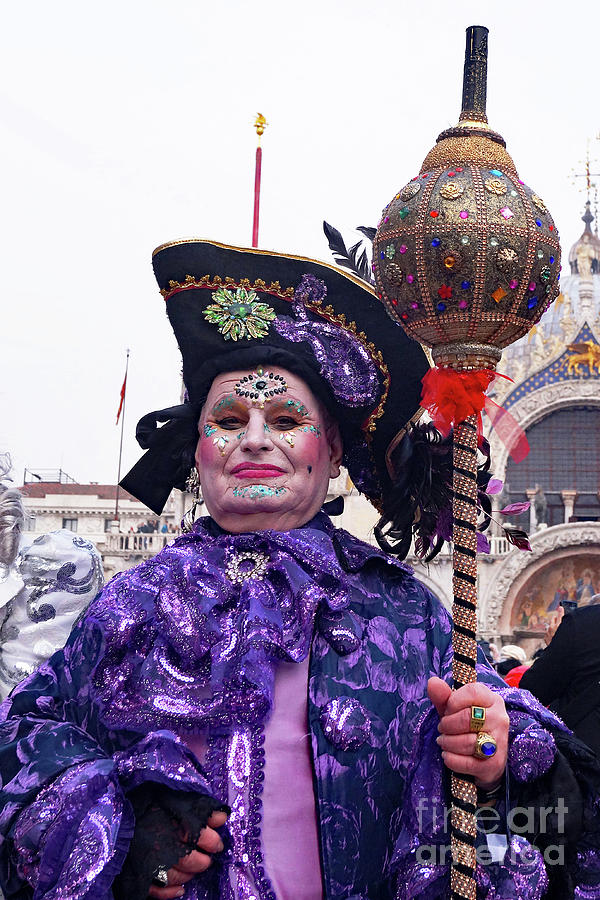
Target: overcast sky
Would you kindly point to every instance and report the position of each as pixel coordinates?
(127, 124)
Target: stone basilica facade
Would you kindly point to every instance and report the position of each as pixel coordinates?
(554, 395)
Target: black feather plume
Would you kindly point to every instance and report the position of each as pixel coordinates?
(419, 505)
(352, 258)
(367, 231)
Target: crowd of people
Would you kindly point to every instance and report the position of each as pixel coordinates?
(153, 526)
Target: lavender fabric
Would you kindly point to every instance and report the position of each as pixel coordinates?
(173, 647)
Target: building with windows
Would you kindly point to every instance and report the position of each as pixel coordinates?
(89, 511)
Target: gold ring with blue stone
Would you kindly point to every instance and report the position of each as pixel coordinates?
(477, 722)
(485, 746)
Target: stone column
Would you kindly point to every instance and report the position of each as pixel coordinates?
(568, 498)
(532, 516)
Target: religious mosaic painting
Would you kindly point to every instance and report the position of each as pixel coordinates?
(575, 578)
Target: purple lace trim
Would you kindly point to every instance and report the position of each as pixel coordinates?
(73, 838)
(343, 361)
(236, 766)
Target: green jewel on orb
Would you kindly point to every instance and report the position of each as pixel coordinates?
(505, 251)
(240, 315)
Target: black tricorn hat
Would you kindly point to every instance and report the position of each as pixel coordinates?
(234, 308)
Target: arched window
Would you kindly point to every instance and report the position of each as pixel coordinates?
(564, 456)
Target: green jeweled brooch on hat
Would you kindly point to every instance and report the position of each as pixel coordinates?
(240, 315)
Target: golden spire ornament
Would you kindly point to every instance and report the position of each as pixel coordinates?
(466, 258)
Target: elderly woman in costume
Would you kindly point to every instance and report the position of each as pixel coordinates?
(264, 709)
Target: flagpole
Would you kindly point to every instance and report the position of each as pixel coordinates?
(260, 125)
(121, 410)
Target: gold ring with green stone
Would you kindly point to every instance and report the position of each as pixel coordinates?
(477, 722)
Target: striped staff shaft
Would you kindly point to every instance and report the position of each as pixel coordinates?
(463, 827)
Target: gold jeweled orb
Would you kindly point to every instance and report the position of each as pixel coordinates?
(466, 256)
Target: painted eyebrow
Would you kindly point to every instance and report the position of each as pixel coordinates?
(290, 404)
(229, 401)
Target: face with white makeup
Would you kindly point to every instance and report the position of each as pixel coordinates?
(265, 467)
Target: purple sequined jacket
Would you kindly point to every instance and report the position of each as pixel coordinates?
(185, 644)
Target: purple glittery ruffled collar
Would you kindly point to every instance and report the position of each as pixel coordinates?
(194, 634)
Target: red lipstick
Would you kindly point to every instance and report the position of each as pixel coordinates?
(251, 470)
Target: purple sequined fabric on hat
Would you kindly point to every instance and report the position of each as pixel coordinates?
(343, 361)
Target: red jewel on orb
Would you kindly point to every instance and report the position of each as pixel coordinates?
(451, 174)
(434, 213)
(394, 303)
(425, 175)
(445, 292)
(551, 227)
(458, 169)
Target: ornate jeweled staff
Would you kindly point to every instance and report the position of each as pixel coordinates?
(466, 259)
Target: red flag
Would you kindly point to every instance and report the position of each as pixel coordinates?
(123, 389)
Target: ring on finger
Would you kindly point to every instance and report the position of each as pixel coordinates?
(477, 720)
(161, 877)
(485, 746)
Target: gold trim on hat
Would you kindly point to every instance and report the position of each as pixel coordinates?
(175, 287)
(318, 262)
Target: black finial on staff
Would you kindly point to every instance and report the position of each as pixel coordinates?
(475, 74)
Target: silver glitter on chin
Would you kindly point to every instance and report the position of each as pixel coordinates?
(238, 570)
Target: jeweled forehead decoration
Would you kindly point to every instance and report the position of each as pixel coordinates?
(239, 315)
(261, 386)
